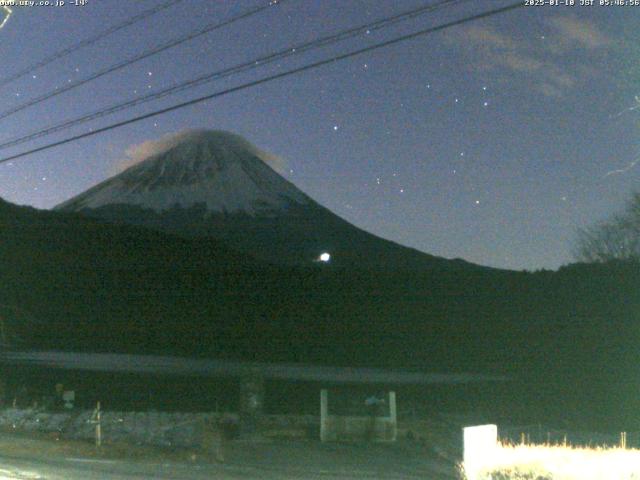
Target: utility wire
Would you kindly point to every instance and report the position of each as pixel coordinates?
(270, 78)
(88, 41)
(146, 54)
(249, 65)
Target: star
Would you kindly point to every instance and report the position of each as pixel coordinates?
(486, 104)
(335, 128)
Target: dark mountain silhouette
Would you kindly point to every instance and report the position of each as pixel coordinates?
(568, 339)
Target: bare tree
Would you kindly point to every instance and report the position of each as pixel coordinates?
(615, 239)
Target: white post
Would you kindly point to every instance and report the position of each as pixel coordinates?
(324, 415)
(99, 427)
(251, 400)
(393, 416)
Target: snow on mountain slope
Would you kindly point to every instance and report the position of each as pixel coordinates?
(218, 169)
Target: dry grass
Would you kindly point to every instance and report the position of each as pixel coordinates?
(545, 462)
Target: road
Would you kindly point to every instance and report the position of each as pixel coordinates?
(274, 460)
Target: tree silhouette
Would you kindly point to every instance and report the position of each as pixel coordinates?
(615, 239)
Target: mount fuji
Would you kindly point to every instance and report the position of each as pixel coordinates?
(217, 184)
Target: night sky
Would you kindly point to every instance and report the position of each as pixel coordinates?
(491, 141)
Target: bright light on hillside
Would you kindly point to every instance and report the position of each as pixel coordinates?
(324, 257)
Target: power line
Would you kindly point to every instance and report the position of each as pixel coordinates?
(88, 41)
(146, 54)
(270, 78)
(249, 65)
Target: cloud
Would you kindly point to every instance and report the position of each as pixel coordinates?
(149, 148)
(519, 62)
(278, 163)
(537, 64)
(580, 32)
(486, 36)
(497, 49)
(140, 152)
(555, 81)
(549, 90)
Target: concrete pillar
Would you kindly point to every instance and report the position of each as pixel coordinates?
(324, 415)
(251, 401)
(393, 416)
(3, 389)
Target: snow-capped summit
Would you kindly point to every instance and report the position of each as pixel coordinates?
(217, 169)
